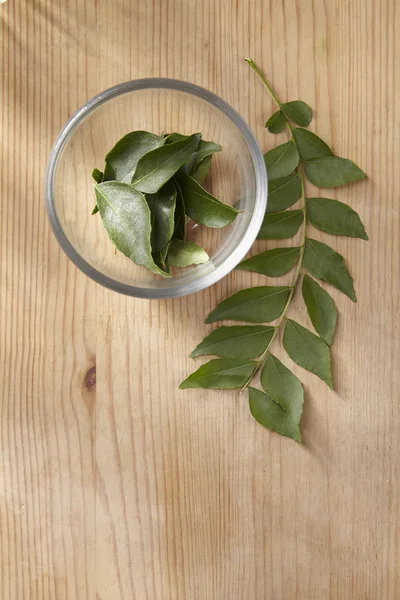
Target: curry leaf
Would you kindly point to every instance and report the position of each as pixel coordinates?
(335, 217)
(273, 118)
(126, 218)
(204, 148)
(280, 226)
(283, 193)
(332, 171)
(276, 123)
(307, 350)
(162, 209)
(321, 309)
(220, 374)
(201, 169)
(199, 163)
(204, 151)
(123, 158)
(325, 263)
(201, 206)
(280, 406)
(281, 161)
(310, 145)
(273, 263)
(155, 168)
(97, 175)
(184, 254)
(171, 138)
(236, 341)
(160, 258)
(271, 415)
(180, 216)
(298, 111)
(254, 305)
(283, 387)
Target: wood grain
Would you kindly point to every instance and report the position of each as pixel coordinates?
(115, 485)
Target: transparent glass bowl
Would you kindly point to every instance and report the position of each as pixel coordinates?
(237, 177)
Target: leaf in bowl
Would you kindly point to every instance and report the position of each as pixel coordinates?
(126, 218)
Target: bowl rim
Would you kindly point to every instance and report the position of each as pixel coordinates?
(246, 241)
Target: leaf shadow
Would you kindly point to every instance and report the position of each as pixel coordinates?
(313, 441)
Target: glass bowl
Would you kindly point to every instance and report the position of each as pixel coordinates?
(237, 177)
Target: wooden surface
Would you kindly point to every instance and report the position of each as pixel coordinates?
(116, 484)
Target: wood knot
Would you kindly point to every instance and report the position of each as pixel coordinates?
(89, 381)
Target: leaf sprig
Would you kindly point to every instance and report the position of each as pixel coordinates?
(244, 350)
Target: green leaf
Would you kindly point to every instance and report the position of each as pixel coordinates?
(332, 171)
(269, 414)
(283, 387)
(97, 175)
(126, 218)
(321, 309)
(280, 226)
(276, 123)
(273, 118)
(273, 263)
(162, 209)
(335, 217)
(201, 169)
(198, 164)
(325, 263)
(283, 193)
(155, 168)
(307, 350)
(204, 150)
(180, 215)
(237, 341)
(310, 145)
(254, 305)
(298, 111)
(171, 138)
(281, 161)
(160, 258)
(184, 254)
(123, 158)
(202, 207)
(221, 374)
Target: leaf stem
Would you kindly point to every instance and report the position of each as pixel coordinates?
(265, 82)
(261, 361)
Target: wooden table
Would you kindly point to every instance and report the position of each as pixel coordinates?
(115, 484)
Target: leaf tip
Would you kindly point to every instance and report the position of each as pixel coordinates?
(158, 271)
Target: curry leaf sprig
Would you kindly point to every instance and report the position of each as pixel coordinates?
(244, 350)
(150, 185)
